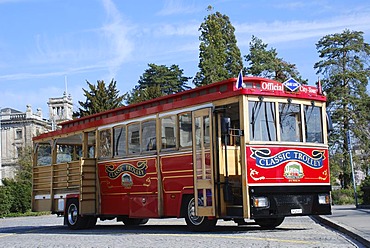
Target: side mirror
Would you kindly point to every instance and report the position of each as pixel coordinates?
(225, 125)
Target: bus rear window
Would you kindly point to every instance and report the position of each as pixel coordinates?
(43, 154)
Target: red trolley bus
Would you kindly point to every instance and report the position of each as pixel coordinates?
(258, 152)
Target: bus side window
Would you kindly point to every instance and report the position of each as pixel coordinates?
(185, 130)
(313, 122)
(105, 145)
(148, 136)
(133, 134)
(119, 141)
(168, 129)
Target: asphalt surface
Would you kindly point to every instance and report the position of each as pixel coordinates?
(350, 220)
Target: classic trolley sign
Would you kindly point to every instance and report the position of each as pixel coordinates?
(236, 150)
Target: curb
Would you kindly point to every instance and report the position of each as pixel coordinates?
(341, 228)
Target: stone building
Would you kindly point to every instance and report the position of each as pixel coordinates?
(18, 128)
(16, 132)
(60, 109)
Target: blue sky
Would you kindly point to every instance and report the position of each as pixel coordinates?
(45, 43)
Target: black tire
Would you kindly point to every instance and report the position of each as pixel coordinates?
(269, 223)
(72, 217)
(197, 223)
(134, 222)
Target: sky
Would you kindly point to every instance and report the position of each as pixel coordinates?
(48, 47)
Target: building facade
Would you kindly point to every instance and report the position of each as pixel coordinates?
(16, 132)
(17, 129)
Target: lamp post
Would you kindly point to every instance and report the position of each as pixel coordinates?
(351, 162)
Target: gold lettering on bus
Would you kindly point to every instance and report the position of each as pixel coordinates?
(139, 170)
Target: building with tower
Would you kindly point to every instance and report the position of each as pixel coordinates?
(60, 109)
(17, 129)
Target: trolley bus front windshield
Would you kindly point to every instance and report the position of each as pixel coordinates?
(297, 122)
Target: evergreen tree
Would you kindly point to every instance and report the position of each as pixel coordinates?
(157, 81)
(99, 98)
(344, 67)
(266, 63)
(219, 56)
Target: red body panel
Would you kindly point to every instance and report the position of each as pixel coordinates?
(130, 186)
(177, 177)
(271, 165)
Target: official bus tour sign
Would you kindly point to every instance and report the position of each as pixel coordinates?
(290, 85)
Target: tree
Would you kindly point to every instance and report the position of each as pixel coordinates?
(219, 56)
(344, 59)
(266, 63)
(99, 98)
(157, 81)
(15, 194)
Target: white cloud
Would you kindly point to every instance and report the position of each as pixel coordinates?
(190, 29)
(116, 34)
(174, 7)
(280, 31)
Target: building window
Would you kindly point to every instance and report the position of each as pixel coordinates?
(18, 134)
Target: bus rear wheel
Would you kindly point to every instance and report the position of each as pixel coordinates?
(269, 223)
(197, 223)
(72, 217)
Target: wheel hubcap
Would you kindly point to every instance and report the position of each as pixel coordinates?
(72, 214)
(195, 220)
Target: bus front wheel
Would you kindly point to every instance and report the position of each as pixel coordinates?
(197, 223)
(269, 223)
(134, 222)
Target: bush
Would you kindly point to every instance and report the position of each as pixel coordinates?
(343, 196)
(364, 193)
(5, 201)
(15, 194)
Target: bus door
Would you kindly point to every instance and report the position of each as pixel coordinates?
(228, 169)
(203, 163)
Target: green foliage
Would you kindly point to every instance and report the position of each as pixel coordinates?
(99, 98)
(364, 193)
(15, 194)
(5, 201)
(157, 81)
(266, 63)
(344, 66)
(343, 197)
(220, 57)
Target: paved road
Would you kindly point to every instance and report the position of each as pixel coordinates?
(48, 231)
(354, 222)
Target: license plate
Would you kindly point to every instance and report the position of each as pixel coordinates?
(296, 211)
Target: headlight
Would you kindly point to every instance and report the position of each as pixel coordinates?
(324, 199)
(261, 202)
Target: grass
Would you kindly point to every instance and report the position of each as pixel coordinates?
(25, 214)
